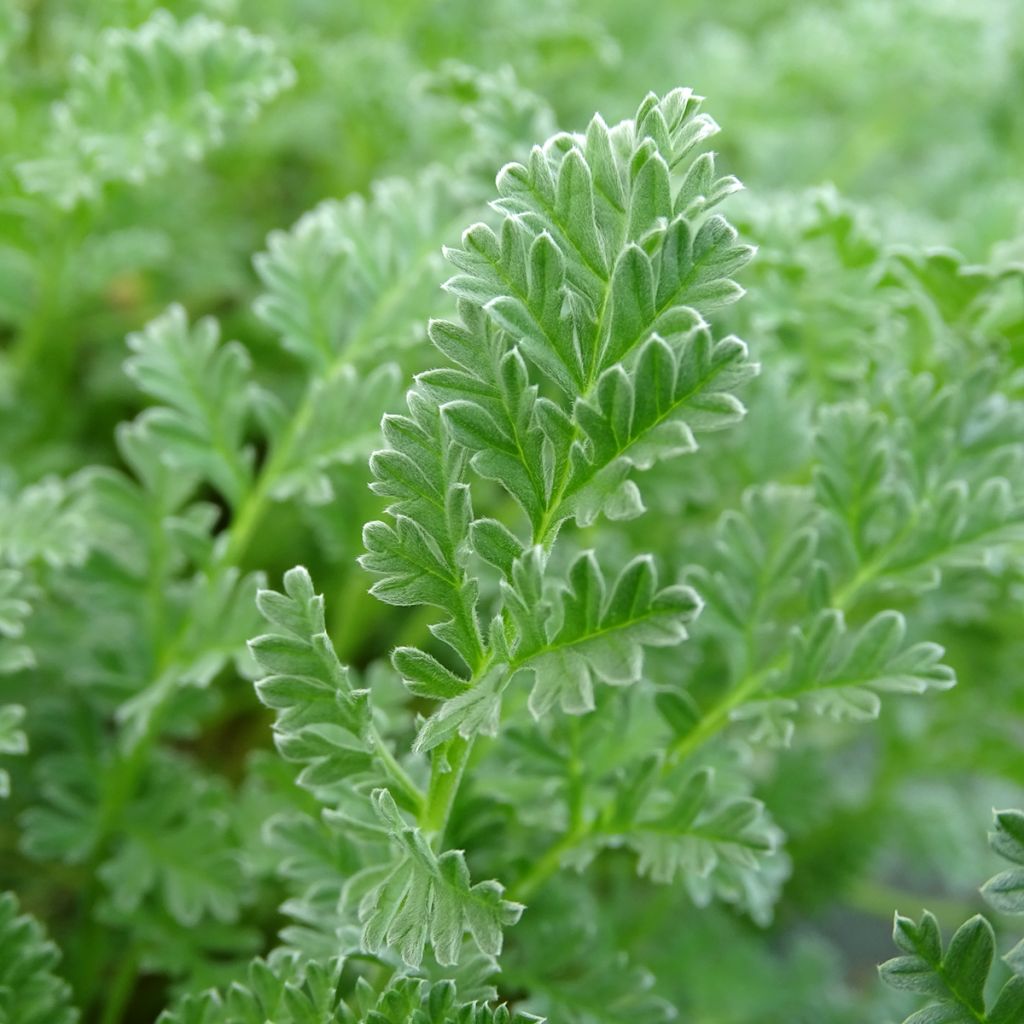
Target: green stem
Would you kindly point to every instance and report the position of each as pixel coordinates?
(33, 349)
(719, 716)
(449, 762)
(398, 774)
(121, 989)
(446, 771)
(85, 952)
(713, 722)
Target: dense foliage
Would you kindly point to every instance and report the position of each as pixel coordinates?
(442, 615)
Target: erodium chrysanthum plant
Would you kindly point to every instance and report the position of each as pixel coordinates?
(442, 616)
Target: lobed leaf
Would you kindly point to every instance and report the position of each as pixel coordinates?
(150, 97)
(31, 992)
(425, 898)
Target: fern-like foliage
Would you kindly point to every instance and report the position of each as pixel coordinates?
(889, 513)
(163, 602)
(179, 857)
(323, 720)
(956, 978)
(12, 739)
(355, 275)
(643, 380)
(30, 991)
(42, 523)
(14, 610)
(715, 845)
(42, 528)
(152, 96)
(423, 898)
(287, 991)
(580, 355)
(205, 395)
(408, 896)
(617, 700)
(207, 411)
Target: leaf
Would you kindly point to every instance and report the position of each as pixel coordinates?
(636, 419)
(912, 974)
(1005, 892)
(341, 428)
(840, 675)
(14, 606)
(474, 711)
(968, 960)
(64, 823)
(149, 97)
(413, 570)
(425, 676)
(1009, 1004)
(282, 988)
(547, 283)
(595, 633)
(679, 710)
(579, 353)
(757, 560)
(717, 847)
(289, 990)
(417, 559)
(495, 544)
(178, 851)
(426, 898)
(43, 523)
(31, 992)
(354, 275)
(1008, 837)
(12, 739)
(205, 390)
(322, 721)
(221, 619)
(940, 1014)
(955, 979)
(879, 474)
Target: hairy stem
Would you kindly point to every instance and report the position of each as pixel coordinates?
(446, 771)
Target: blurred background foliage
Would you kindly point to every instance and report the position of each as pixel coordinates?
(866, 134)
(910, 108)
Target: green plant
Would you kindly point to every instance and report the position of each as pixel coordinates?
(651, 645)
(956, 979)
